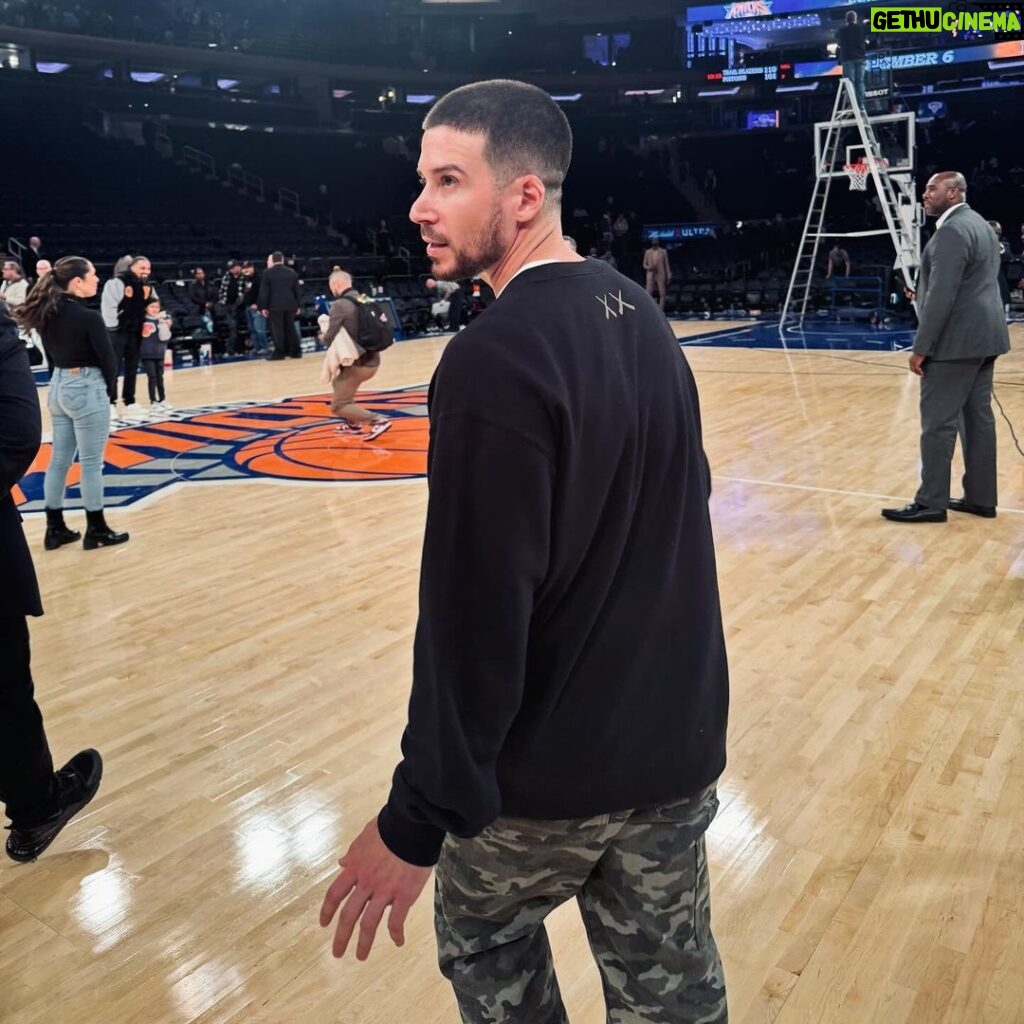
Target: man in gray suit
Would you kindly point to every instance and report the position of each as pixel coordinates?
(961, 330)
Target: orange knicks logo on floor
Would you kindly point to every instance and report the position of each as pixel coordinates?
(294, 440)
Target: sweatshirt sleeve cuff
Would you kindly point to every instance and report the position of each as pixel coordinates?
(410, 841)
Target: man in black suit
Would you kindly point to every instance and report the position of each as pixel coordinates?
(39, 801)
(280, 303)
(31, 256)
(961, 331)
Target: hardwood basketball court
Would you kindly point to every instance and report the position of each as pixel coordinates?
(244, 663)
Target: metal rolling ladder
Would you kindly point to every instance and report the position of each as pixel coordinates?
(895, 192)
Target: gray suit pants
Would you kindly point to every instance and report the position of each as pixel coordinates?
(957, 393)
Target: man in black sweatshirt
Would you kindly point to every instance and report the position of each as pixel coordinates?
(570, 690)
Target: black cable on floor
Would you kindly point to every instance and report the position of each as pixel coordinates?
(1008, 423)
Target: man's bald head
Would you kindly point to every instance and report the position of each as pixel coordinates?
(339, 282)
(944, 191)
(953, 179)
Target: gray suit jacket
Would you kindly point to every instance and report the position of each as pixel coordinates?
(959, 310)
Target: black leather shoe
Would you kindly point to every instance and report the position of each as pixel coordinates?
(914, 513)
(58, 536)
(77, 783)
(98, 534)
(57, 531)
(985, 511)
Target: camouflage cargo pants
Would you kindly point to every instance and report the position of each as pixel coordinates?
(641, 880)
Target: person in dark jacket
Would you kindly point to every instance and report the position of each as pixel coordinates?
(200, 293)
(156, 333)
(853, 41)
(280, 302)
(256, 321)
(31, 256)
(38, 800)
(1005, 258)
(124, 305)
(231, 303)
(567, 721)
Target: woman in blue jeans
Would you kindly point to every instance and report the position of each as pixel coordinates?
(84, 379)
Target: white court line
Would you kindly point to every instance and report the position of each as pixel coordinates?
(711, 338)
(831, 490)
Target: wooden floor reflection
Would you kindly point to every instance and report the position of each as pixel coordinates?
(243, 664)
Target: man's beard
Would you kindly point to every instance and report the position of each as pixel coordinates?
(484, 251)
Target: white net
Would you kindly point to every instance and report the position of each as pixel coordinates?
(858, 174)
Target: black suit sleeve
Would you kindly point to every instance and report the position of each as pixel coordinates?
(264, 296)
(297, 292)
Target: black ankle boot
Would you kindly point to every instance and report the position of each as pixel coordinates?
(57, 532)
(98, 534)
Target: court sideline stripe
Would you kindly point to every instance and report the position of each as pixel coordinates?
(829, 490)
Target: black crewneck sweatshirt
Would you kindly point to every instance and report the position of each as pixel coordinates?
(569, 657)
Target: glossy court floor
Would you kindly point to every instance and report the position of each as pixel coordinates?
(243, 663)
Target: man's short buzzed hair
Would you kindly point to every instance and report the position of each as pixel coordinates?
(340, 275)
(526, 131)
(277, 257)
(851, 17)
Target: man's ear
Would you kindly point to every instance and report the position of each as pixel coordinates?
(530, 197)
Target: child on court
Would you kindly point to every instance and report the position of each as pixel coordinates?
(156, 332)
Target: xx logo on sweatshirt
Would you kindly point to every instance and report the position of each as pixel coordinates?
(294, 440)
(616, 300)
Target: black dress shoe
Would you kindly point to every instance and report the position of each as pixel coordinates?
(57, 531)
(76, 783)
(914, 513)
(98, 534)
(960, 505)
(57, 536)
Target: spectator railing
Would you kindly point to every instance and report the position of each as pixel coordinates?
(288, 201)
(198, 161)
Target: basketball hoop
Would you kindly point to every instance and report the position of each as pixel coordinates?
(858, 173)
